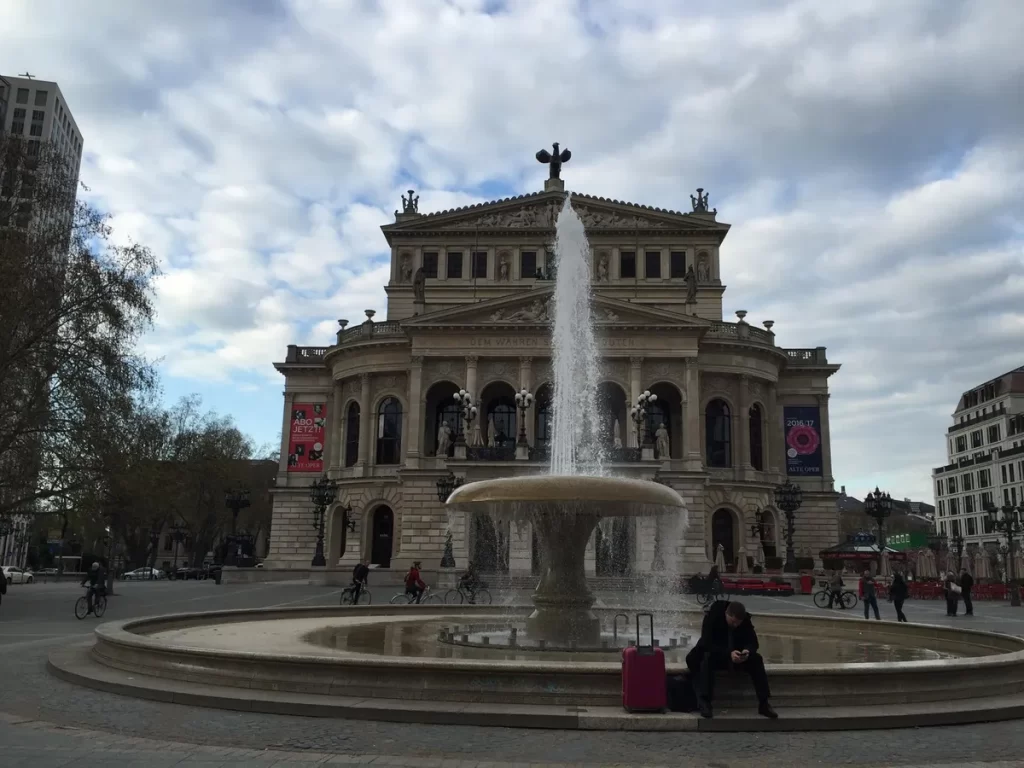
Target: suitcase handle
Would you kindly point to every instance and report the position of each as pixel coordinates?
(650, 618)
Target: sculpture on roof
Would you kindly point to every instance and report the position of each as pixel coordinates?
(554, 160)
(700, 202)
(411, 204)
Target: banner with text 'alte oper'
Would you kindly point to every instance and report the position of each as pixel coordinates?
(803, 440)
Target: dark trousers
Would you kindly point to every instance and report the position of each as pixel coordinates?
(836, 598)
(968, 603)
(873, 603)
(952, 601)
(703, 664)
(897, 603)
(416, 592)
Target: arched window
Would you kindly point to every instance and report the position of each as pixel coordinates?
(657, 414)
(756, 441)
(352, 435)
(389, 431)
(718, 428)
(501, 412)
(542, 431)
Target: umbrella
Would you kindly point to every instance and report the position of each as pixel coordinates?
(884, 569)
(741, 561)
(720, 559)
(759, 556)
(928, 567)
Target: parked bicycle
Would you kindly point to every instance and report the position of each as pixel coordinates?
(823, 598)
(426, 598)
(461, 594)
(349, 592)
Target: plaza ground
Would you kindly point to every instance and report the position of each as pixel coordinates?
(45, 722)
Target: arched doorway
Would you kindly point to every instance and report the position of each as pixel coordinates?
(382, 537)
(338, 541)
(441, 407)
(667, 410)
(611, 406)
(499, 415)
(723, 531)
(490, 544)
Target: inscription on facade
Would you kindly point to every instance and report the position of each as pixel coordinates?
(533, 341)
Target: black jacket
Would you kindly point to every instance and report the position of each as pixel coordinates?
(361, 573)
(898, 590)
(714, 633)
(966, 582)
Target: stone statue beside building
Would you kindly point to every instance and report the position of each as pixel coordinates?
(406, 272)
(503, 268)
(661, 442)
(419, 285)
(444, 439)
(602, 268)
(703, 269)
(691, 285)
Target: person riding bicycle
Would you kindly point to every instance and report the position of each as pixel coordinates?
(713, 586)
(836, 587)
(97, 579)
(413, 583)
(360, 578)
(469, 582)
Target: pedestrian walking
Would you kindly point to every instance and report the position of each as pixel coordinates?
(836, 587)
(952, 590)
(966, 585)
(898, 594)
(869, 594)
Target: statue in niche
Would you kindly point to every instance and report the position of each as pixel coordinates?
(661, 443)
(405, 273)
(444, 439)
(419, 285)
(503, 268)
(703, 269)
(492, 438)
(691, 285)
(616, 435)
(602, 268)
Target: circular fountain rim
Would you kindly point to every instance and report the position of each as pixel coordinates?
(629, 496)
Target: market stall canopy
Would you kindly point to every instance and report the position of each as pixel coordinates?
(860, 546)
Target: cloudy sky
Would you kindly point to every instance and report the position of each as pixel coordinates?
(869, 155)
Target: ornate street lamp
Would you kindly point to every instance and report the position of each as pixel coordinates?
(178, 533)
(322, 493)
(523, 402)
(445, 486)
(235, 499)
(957, 544)
(1008, 521)
(878, 505)
(638, 413)
(469, 413)
(788, 498)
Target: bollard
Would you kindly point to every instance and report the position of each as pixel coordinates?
(487, 640)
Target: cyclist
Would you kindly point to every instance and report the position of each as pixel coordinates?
(469, 582)
(97, 579)
(360, 578)
(836, 586)
(413, 583)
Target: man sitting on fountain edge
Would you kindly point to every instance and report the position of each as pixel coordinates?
(727, 641)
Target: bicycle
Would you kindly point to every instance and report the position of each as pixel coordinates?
(823, 598)
(99, 606)
(426, 598)
(706, 594)
(461, 594)
(364, 595)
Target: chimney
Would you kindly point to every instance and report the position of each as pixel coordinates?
(842, 490)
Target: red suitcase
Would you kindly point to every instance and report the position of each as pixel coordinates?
(643, 674)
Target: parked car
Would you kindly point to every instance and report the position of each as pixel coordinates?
(187, 572)
(17, 575)
(144, 574)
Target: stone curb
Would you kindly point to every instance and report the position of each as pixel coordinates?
(74, 664)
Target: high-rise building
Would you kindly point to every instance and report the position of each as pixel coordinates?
(37, 110)
(985, 449)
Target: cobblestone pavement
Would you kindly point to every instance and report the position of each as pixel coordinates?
(52, 723)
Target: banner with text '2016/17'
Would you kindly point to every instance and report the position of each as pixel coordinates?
(803, 440)
(306, 437)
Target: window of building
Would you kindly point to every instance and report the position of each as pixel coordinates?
(389, 431)
(430, 264)
(718, 431)
(19, 114)
(627, 264)
(36, 129)
(1002, 471)
(22, 97)
(1011, 473)
(652, 264)
(938, 487)
(677, 264)
(954, 506)
(972, 527)
(1013, 497)
(976, 441)
(38, 114)
(41, 97)
(1006, 496)
(950, 485)
(961, 444)
(984, 478)
(968, 481)
(17, 127)
(756, 440)
(352, 435)
(942, 507)
(986, 499)
(527, 263)
(454, 264)
(969, 505)
(479, 264)
(993, 433)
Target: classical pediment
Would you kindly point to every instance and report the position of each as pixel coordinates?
(536, 308)
(539, 212)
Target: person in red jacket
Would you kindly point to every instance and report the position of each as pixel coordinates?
(413, 583)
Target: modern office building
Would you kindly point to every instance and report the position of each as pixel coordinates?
(37, 110)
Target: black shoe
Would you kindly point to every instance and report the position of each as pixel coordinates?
(766, 711)
(704, 707)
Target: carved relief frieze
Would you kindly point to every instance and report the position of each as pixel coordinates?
(351, 388)
(716, 383)
(536, 312)
(543, 215)
(435, 370)
(616, 369)
(666, 370)
(498, 369)
(541, 372)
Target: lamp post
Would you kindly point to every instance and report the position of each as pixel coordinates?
(759, 527)
(154, 543)
(235, 499)
(445, 486)
(638, 413)
(1008, 520)
(957, 545)
(523, 402)
(788, 498)
(178, 535)
(878, 505)
(469, 413)
(322, 493)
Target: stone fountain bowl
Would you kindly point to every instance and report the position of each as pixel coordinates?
(524, 497)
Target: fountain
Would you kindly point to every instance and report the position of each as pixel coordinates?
(564, 507)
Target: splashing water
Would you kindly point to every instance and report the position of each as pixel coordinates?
(576, 445)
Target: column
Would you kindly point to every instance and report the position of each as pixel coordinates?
(743, 438)
(635, 388)
(773, 438)
(471, 361)
(286, 430)
(365, 421)
(337, 420)
(526, 382)
(693, 451)
(414, 441)
(826, 455)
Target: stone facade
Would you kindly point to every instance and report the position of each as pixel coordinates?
(469, 308)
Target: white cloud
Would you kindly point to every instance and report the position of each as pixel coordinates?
(866, 152)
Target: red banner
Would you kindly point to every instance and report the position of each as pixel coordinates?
(306, 440)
